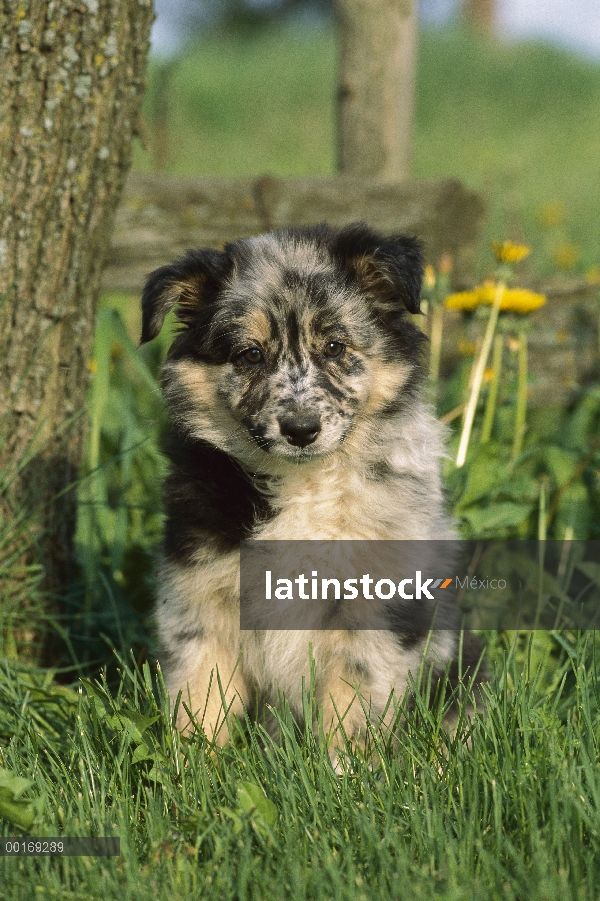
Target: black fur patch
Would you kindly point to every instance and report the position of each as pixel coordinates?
(192, 634)
(190, 283)
(209, 500)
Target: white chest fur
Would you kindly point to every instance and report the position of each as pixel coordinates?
(383, 486)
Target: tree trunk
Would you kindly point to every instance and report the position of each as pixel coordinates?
(72, 77)
(376, 86)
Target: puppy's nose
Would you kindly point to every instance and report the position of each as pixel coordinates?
(300, 430)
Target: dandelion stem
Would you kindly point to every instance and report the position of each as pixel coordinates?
(542, 522)
(541, 553)
(521, 410)
(437, 326)
(478, 375)
(490, 410)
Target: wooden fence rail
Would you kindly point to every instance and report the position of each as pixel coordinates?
(160, 218)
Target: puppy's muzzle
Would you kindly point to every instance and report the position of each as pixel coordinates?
(300, 430)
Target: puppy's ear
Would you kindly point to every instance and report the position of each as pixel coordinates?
(187, 283)
(390, 269)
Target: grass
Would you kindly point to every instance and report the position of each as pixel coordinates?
(513, 813)
(249, 105)
(517, 123)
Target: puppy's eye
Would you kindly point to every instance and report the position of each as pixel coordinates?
(334, 349)
(252, 355)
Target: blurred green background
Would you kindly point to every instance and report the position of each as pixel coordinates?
(518, 122)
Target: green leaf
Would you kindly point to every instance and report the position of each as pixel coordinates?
(164, 778)
(574, 512)
(99, 389)
(582, 422)
(485, 472)
(139, 721)
(139, 364)
(142, 752)
(253, 800)
(561, 463)
(484, 520)
(95, 691)
(13, 783)
(19, 811)
(519, 487)
(120, 719)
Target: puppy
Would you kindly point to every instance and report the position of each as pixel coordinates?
(294, 393)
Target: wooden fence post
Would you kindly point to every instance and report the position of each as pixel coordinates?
(376, 87)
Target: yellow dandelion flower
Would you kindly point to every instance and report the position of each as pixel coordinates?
(514, 300)
(593, 275)
(470, 300)
(464, 300)
(488, 374)
(92, 367)
(507, 252)
(429, 277)
(566, 256)
(520, 300)
(486, 292)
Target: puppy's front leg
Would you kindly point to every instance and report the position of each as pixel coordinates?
(209, 675)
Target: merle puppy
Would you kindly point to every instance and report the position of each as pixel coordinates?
(294, 392)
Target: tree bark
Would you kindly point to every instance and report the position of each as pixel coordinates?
(72, 76)
(376, 86)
